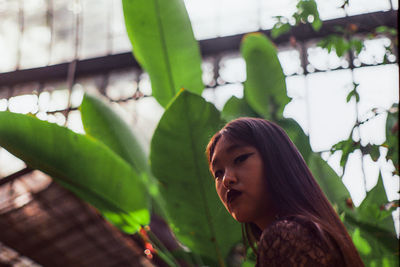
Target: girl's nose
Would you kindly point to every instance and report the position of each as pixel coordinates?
(229, 179)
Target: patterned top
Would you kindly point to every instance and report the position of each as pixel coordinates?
(293, 242)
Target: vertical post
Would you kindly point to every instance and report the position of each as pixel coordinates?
(72, 65)
(21, 33)
(304, 63)
(50, 25)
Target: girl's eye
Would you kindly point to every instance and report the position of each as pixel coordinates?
(218, 174)
(242, 158)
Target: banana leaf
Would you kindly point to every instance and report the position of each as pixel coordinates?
(178, 160)
(103, 123)
(164, 45)
(265, 87)
(373, 210)
(235, 108)
(81, 164)
(330, 183)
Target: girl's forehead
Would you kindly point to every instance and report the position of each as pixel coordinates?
(226, 146)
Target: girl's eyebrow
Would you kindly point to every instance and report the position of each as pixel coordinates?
(229, 150)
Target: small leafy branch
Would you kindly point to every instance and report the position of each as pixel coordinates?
(345, 42)
(307, 12)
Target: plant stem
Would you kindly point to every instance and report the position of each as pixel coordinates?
(162, 250)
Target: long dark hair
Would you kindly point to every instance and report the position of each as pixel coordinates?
(292, 187)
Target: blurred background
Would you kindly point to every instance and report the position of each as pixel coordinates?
(51, 51)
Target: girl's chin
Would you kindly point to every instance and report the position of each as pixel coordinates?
(239, 217)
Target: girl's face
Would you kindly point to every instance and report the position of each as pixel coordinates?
(239, 180)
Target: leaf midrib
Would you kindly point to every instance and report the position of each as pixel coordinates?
(164, 48)
(202, 190)
(60, 175)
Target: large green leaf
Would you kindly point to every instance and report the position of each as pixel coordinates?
(164, 45)
(329, 181)
(102, 123)
(235, 108)
(377, 246)
(392, 136)
(297, 135)
(81, 164)
(178, 160)
(265, 87)
(372, 209)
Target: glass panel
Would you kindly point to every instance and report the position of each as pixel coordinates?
(237, 16)
(122, 85)
(330, 9)
(375, 92)
(374, 51)
(95, 28)
(365, 6)
(9, 35)
(232, 69)
(290, 61)
(120, 40)
(204, 17)
(297, 108)
(35, 39)
(63, 32)
(331, 117)
(395, 4)
(320, 59)
(270, 9)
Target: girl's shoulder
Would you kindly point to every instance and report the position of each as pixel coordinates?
(296, 241)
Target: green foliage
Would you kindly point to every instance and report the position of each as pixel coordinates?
(282, 26)
(178, 160)
(392, 136)
(372, 150)
(80, 163)
(330, 182)
(307, 12)
(102, 123)
(361, 244)
(298, 137)
(347, 147)
(377, 247)
(265, 87)
(335, 42)
(341, 45)
(386, 30)
(235, 108)
(373, 229)
(356, 45)
(373, 210)
(353, 93)
(164, 45)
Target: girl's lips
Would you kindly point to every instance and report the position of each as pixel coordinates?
(232, 194)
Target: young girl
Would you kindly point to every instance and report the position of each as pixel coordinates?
(263, 181)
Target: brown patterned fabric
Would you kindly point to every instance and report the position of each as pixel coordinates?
(291, 242)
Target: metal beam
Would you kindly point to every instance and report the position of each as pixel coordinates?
(15, 175)
(365, 23)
